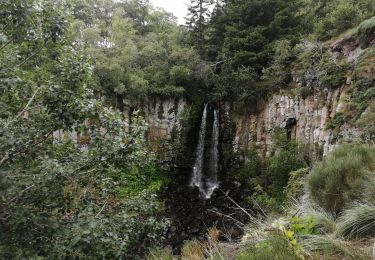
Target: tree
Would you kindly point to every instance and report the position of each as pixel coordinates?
(196, 21)
(90, 195)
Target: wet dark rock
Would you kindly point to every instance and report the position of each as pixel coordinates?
(191, 216)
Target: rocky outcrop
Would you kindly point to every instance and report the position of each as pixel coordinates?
(163, 117)
(304, 120)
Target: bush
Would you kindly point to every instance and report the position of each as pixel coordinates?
(296, 184)
(316, 68)
(274, 247)
(367, 123)
(366, 31)
(341, 17)
(358, 222)
(280, 165)
(342, 177)
(336, 122)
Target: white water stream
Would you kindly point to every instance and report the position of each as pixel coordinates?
(207, 184)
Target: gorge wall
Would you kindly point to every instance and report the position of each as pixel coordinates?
(305, 120)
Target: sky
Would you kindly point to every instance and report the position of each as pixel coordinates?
(177, 7)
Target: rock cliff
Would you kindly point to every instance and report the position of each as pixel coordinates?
(304, 120)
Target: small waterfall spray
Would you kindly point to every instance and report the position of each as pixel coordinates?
(196, 179)
(207, 184)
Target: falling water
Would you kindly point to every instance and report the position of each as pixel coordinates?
(211, 182)
(207, 184)
(196, 179)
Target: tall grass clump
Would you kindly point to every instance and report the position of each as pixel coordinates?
(344, 176)
(324, 221)
(329, 246)
(358, 222)
(192, 250)
(160, 254)
(274, 247)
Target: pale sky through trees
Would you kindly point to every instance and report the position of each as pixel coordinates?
(177, 7)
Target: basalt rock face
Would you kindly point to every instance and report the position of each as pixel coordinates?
(304, 120)
(163, 118)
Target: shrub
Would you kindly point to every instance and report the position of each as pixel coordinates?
(296, 184)
(282, 163)
(366, 31)
(316, 68)
(342, 177)
(275, 247)
(364, 67)
(304, 92)
(336, 122)
(341, 17)
(358, 221)
(367, 123)
(250, 169)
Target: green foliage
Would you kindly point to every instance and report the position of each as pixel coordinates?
(367, 123)
(63, 197)
(251, 168)
(363, 93)
(296, 184)
(279, 72)
(267, 179)
(366, 31)
(339, 17)
(342, 177)
(357, 222)
(327, 19)
(336, 121)
(137, 50)
(302, 227)
(305, 92)
(289, 156)
(315, 68)
(276, 246)
(324, 221)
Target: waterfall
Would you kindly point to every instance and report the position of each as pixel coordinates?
(207, 184)
(196, 179)
(211, 182)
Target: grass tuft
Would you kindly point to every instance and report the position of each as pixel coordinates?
(357, 222)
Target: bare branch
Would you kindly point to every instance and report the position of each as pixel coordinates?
(21, 193)
(23, 110)
(101, 210)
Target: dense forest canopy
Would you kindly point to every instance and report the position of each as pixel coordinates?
(69, 67)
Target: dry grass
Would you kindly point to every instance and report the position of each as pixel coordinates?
(192, 250)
